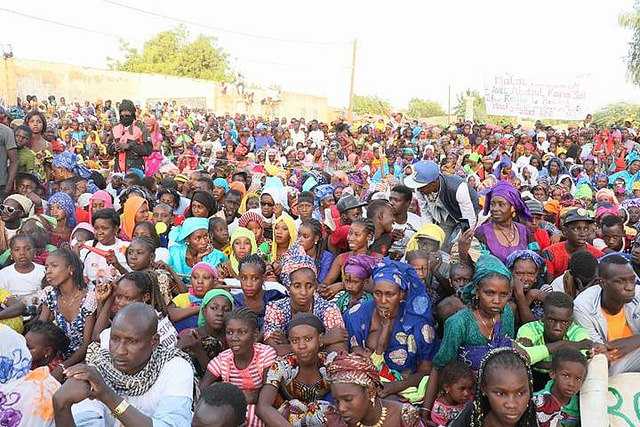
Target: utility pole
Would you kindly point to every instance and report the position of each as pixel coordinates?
(353, 78)
(449, 107)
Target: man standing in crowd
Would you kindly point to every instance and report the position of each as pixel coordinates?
(8, 157)
(445, 200)
(130, 140)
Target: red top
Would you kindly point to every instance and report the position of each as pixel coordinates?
(557, 257)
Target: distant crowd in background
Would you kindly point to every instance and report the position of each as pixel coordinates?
(170, 266)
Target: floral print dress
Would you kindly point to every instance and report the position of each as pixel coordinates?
(74, 329)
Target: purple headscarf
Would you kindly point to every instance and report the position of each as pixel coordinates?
(511, 195)
(360, 266)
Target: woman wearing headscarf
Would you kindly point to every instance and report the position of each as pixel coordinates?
(193, 246)
(529, 271)
(135, 210)
(220, 188)
(285, 234)
(255, 222)
(248, 198)
(501, 234)
(553, 170)
(99, 200)
(203, 205)
(354, 379)
(486, 322)
(397, 326)
(130, 142)
(27, 394)
(66, 165)
(242, 243)
(60, 206)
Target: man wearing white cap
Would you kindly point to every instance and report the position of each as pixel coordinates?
(444, 200)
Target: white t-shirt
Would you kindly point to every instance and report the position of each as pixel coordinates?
(166, 331)
(175, 380)
(413, 224)
(21, 284)
(96, 265)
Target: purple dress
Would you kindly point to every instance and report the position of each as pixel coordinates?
(487, 235)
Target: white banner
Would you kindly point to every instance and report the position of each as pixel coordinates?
(540, 97)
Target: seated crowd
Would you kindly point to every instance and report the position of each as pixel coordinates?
(171, 267)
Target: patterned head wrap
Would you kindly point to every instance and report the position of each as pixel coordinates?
(323, 191)
(65, 202)
(631, 203)
(222, 183)
(69, 161)
(487, 264)
(350, 368)
(523, 255)
(293, 260)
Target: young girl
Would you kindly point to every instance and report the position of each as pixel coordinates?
(82, 233)
(184, 309)
(243, 243)
(284, 235)
(68, 303)
(219, 232)
(140, 254)
(104, 258)
(22, 278)
(254, 222)
(61, 207)
(245, 362)
(47, 343)
(314, 245)
(134, 286)
(455, 387)
(147, 229)
(355, 275)
(252, 269)
(504, 376)
(207, 340)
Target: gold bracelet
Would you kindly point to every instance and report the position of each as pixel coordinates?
(119, 410)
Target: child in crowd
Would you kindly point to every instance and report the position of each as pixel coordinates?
(22, 278)
(245, 362)
(460, 275)
(219, 232)
(207, 340)
(47, 343)
(184, 308)
(163, 220)
(455, 385)
(558, 403)
(356, 272)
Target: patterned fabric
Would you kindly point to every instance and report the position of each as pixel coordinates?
(548, 410)
(293, 260)
(441, 413)
(248, 379)
(278, 315)
(140, 382)
(343, 300)
(65, 202)
(74, 329)
(350, 368)
(25, 395)
(303, 402)
(251, 216)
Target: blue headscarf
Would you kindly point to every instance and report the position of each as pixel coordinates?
(222, 183)
(190, 225)
(65, 202)
(417, 301)
(525, 254)
(70, 162)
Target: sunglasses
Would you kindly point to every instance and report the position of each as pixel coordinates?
(267, 204)
(8, 209)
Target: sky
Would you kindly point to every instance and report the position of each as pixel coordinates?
(405, 49)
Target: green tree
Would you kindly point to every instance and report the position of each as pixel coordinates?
(171, 52)
(423, 108)
(617, 114)
(631, 21)
(370, 105)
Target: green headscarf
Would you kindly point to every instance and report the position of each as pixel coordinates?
(238, 233)
(207, 299)
(487, 264)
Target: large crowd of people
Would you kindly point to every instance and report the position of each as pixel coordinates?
(169, 266)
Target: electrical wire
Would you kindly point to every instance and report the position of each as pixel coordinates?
(223, 30)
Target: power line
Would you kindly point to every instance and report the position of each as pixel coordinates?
(222, 30)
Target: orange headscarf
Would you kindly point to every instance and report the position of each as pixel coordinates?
(131, 208)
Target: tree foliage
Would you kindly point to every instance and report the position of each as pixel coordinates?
(631, 21)
(423, 108)
(171, 52)
(617, 114)
(370, 105)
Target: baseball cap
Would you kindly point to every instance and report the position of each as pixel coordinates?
(348, 202)
(575, 215)
(425, 173)
(535, 207)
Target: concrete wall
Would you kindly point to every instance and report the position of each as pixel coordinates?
(19, 77)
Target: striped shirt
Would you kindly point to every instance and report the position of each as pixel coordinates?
(249, 379)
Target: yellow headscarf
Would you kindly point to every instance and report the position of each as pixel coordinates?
(293, 233)
(430, 231)
(238, 233)
(243, 203)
